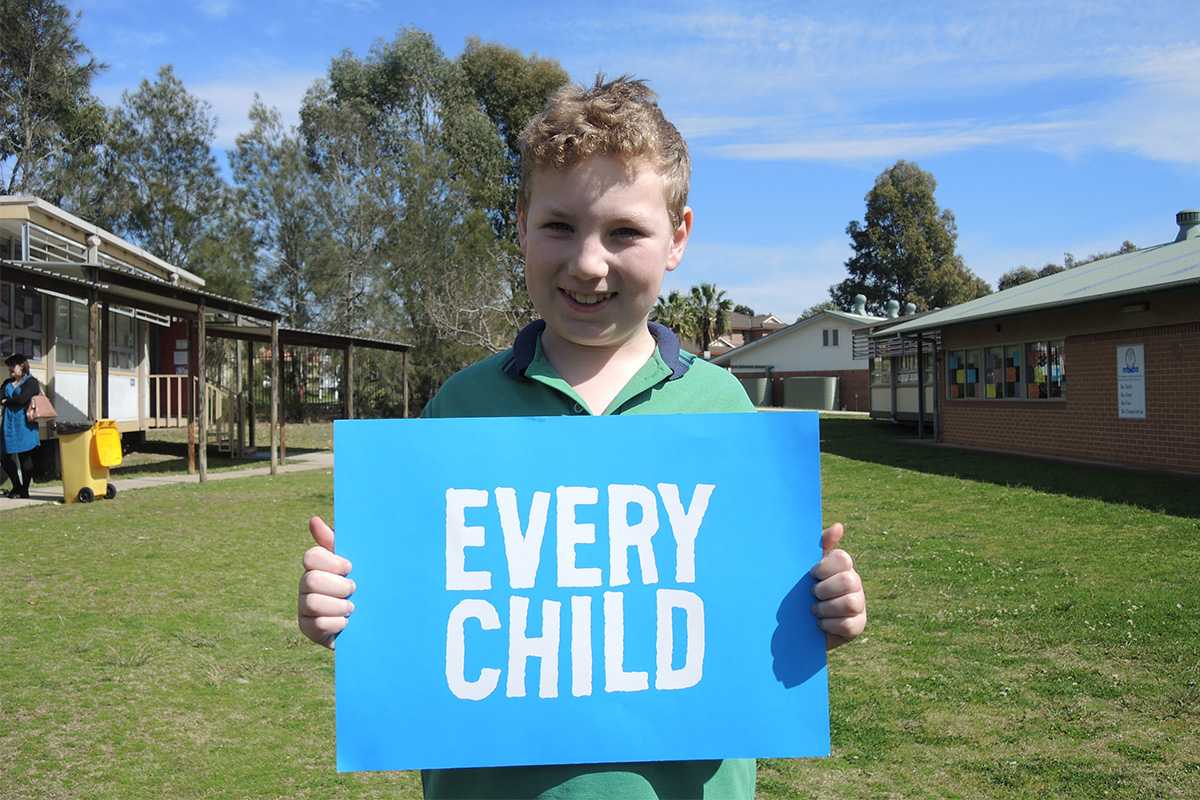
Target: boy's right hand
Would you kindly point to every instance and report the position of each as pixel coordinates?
(322, 609)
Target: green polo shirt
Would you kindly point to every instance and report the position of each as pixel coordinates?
(521, 382)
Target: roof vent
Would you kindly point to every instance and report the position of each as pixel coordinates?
(910, 309)
(893, 309)
(860, 304)
(1188, 221)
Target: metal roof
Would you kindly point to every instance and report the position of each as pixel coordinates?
(302, 336)
(126, 287)
(795, 326)
(107, 236)
(1154, 268)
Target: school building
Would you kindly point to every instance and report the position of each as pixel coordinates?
(778, 369)
(1097, 363)
(114, 332)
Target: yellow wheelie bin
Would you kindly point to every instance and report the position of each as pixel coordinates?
(86, 451)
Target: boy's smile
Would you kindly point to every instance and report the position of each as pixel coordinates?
(598, 240)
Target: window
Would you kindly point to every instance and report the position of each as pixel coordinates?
(1056, 377)
(22, 324)
(1030, 371)
(834, 333)
(1013, 387)
(956, 374)
(122, 340)
(993, 373)
(1035, 370)
(881, 371)
(974, 360)
(70, 332)
(825, 337)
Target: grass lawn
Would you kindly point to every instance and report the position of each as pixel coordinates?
(1035, 632)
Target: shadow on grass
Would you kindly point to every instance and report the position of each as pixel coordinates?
(175, 459)
(897, 446)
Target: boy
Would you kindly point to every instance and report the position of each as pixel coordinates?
(602, 216)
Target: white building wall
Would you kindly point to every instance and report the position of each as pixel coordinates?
(70, 395)
(802, 349)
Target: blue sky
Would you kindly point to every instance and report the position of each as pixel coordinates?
(1051, 127)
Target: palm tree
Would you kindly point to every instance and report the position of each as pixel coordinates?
(711, 309)
(676, 313)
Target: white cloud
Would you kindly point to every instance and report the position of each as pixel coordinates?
(786, 84)
(217, 9)
(869, 142)
(231, 99)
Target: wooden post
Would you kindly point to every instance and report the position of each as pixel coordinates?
(202, 392)
(274, 396)
(920, 387)
(239, 401)
(191, 447)
(105, 356)
(250, 345)
(348, 381)
(187, 391)
(404, 372)
(93, 396)
(143, 373)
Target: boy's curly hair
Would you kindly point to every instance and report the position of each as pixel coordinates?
(614, 118)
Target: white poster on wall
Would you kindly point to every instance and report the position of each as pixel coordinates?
(1131, 381)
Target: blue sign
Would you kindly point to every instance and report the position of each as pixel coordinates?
(567, 590)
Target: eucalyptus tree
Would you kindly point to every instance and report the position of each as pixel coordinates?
(414, 158)
(47, 111)
(905, 248)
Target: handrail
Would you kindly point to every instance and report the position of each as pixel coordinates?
(172, 408)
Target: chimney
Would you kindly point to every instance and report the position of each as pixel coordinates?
(860, 304)
(1188, 221)
(893, 309)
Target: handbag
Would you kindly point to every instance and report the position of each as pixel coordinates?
(40, 408)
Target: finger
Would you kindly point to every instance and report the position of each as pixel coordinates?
(834, 562)
(322, 629)
(840, 584)
(322, 605)
(322, 534)
(317, 557)
(846, 605)
(318, 582)
(831, 537)
(844, 628)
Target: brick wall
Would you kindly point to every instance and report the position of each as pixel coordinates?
(1086, 425)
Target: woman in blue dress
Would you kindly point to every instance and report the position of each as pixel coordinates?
(20, 436)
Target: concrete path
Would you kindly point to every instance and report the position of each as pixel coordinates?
(52, 495)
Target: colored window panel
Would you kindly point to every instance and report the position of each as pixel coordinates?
(1056, 377)
(993, 373)
(956, 374)
(1013, 382)
(972, 367)
(1035, 370)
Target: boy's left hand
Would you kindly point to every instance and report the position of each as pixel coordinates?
(842, 610)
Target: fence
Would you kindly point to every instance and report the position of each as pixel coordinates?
(311, 380)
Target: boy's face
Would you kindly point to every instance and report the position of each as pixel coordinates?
(597, 240)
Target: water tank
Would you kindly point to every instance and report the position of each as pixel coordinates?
(758, 390)
(818, 393)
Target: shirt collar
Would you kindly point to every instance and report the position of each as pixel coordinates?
(525, 347)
